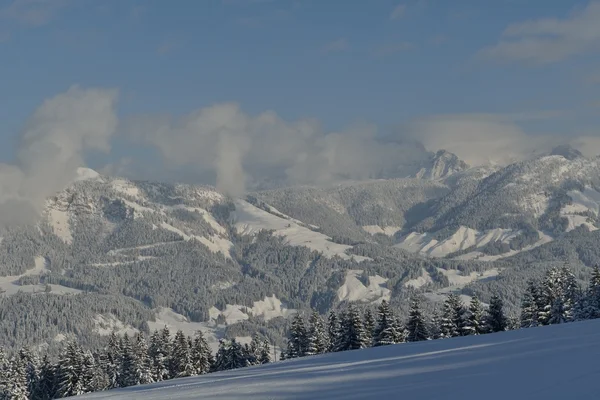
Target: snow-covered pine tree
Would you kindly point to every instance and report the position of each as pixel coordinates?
(592, 296)
(435, 325)
(238, 358)
(17, 380)
(530, 306)
(369, 326)
(93, 377)
(110, 361)
(416, 326)
(559, 294)
(70, 371)
(333, 330)
(297, 338)
(385, 330)
(474, 320)
(250, 352)
(452, 317)
(264, 355)
(47, 387)
(222, 361)
(157, 351)
(131, 373)
(31, 363)
(201, 357)
(140, 349)
(495, 319)
(181, 364)
(316, 338)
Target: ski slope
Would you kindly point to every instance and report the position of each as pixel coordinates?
(556, 362)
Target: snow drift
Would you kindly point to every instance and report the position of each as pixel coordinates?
(554, 362)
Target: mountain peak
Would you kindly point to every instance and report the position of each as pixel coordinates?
(567, 151)
(441, 165)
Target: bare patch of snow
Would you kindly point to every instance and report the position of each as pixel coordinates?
(354, 290)
(462, 239)
(125, 187)
(250, 220)
(420, 281)
(107, 324)
(59, 221)
(386, 230)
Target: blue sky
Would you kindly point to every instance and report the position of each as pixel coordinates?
(528, 65)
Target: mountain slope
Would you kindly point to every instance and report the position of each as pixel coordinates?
(554, 362)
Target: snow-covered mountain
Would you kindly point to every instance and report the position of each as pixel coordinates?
(151, 254)
(554, 362)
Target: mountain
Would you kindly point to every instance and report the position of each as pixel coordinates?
(441, 165)
(455, 369)
(113, 254)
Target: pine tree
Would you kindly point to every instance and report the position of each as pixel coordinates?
(130, 368)
(333, 330)
(110, 361)
(201, 357)
(181, 364)
(251, 351)
(559, 296)
(159, 358)
(591, 300)
(31, 363)
(369, 326)
(264, 355)
(140, 349)
(316, 338)
(416, 327)
(530, 306)
(474, 321)
(17, 382)
(385, 331)
(47, 385)
(435, 325)
(495, 319)
(452, 317)
(222, 357)
(70, 371)
(237, 357)
(297, 338)
(353, 335)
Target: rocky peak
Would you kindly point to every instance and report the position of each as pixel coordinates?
(441, 165)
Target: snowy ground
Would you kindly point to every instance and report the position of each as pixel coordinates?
(556, 362)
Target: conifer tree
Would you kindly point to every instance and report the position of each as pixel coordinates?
(316, 339)
(47, 387)
(333, 330)
(385, 330)
(495, 319)
(592, 296)
(435, 325)
(70, 371)
(140, 349)
(181, 364)
(17, 388)
(159, 358)
(474, 321)
(297, 338)
(416, 327)
(31, 364)
(530, 306)
(264, 355)
(452, 317)
(369, 326)
(201, 357)
(111, 360)
(131, 373)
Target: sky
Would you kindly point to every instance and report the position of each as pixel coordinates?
(237, 91)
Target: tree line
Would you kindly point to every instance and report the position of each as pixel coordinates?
(124, 361)
(128, 361)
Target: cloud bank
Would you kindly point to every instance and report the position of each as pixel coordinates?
(52, 146)
(549, 40)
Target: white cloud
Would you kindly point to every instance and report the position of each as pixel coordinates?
(494, 138)
(336, 46)
(241, 149)
(549, 40)
(398, 12)
(52, 146)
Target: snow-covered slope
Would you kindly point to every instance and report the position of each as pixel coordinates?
(555, 362)
(462, 239)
